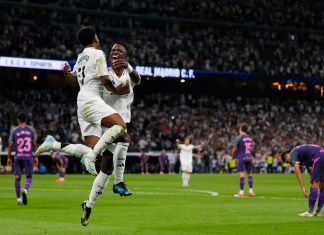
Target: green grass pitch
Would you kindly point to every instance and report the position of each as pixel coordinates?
(159, 205)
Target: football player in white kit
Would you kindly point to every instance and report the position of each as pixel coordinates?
(92, 75)
(120, 73)
(186, 159)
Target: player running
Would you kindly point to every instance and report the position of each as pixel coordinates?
(310, 156)
(23, 139)
(241, 151)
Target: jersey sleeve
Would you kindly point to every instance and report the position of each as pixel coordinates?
(10, 140)
(34, 134)
(236, 141)
(101, 64)
(294, 157)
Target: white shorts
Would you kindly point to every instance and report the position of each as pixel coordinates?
(186, 167)
(88, 129)
(92, 109)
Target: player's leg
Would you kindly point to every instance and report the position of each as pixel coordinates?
(18, 170)
(313, 194)
(51, 144)
(119, 159)
(99, 184)
(28, 164)
(248, 168)
(185, 174)
(240, 170)
(320, 202)
(116, 129)
(62, 170)
(318, 176)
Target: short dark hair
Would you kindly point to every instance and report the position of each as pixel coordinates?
(86, 35)
(284, 153)
(124, 45)
(22, 117)
(244, 127)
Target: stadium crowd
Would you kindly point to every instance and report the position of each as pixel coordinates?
(159, 119)
(50, 34)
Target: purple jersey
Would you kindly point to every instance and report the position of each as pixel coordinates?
(243, 144)
(305, 154)
(23, 137)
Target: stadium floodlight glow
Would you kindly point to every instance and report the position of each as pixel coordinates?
(27, 63)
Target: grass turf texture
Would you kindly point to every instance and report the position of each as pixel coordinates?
(159, 205)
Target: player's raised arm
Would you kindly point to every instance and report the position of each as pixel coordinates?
(71, 79)
(133, 74)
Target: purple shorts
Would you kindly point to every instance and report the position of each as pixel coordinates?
(20, 165)
(65, 162)
(317, 174)
(244, 164)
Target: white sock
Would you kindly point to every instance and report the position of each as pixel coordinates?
(188, 177)
(107, 138)
(98, 186)
(119, 161)
(251, 190)
(77, 150)
(57, 146)
(183, 178)
(241, 192)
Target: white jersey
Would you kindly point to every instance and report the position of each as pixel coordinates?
(186, 153)
(121, 103)
(90, 66)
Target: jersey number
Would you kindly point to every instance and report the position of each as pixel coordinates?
(24, 144)
(81, 74)
(248, 146)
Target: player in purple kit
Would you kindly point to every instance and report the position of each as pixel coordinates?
(23, 139)
(310, 156)
(61, 161)
(163, 159)
(143, 162)
(241, 151)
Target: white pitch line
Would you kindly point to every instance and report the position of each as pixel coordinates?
(186, 192)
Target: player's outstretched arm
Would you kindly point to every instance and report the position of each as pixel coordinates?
(121, 89)
(300, 179)
(133, 74)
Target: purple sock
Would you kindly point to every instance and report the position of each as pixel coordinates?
(28, 183)
(250, 180)
(241, 183)
(62, 174)
(17, 186)
(312, 199)
(320, 200)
